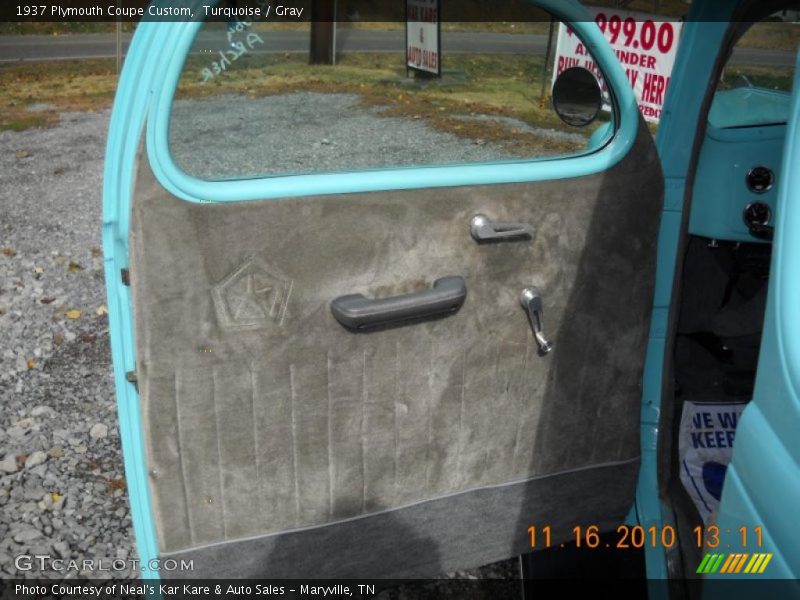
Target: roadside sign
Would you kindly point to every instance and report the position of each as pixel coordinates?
(646, 45)
(423, 36)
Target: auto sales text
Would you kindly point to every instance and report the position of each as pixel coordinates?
(143, 589)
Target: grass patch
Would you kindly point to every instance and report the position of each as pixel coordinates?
(34, 93)
(772, 78)
(773, 36)
(27, 121)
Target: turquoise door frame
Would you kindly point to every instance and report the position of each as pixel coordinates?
(700, 44)
(124, 137)
(762, 485)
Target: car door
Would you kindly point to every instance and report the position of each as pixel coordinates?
(347, 373)
(763, 479)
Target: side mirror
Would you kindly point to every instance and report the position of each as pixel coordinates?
(577, 97)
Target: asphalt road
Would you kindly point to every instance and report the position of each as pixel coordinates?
(45, 47)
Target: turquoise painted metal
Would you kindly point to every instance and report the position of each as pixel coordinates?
(746, 107)
(701, 41)
(762, 485)
(142, 106)
(742, 122)
(127, 122)
(720, 195)
(763, 481)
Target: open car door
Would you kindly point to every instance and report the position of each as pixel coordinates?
(347, 374)
(763, 478)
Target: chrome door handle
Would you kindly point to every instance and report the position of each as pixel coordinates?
(483, 229)
(531, 300)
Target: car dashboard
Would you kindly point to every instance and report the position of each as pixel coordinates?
(738, 172)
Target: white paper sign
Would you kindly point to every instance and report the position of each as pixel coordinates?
(646, 45)
(422, 35)
(705, 446)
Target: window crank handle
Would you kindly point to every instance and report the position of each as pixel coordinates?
(531, 300)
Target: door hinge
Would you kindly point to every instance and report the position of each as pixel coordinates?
(126, 277)
(131, 377)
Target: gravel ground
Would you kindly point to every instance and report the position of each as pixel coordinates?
(61, 478)
(329, 132)
(61, 475)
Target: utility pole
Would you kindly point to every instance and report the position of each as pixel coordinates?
(119, 45)
(323, 23)
(548, 53)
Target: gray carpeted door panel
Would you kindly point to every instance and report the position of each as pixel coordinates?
(262, 414)
(442, 535)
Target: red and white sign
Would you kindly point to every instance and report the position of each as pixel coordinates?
(646, 45)
(422, 35)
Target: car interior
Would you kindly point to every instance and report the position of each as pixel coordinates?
(724, 270)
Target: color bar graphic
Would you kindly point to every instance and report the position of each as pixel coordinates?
(733, 563)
